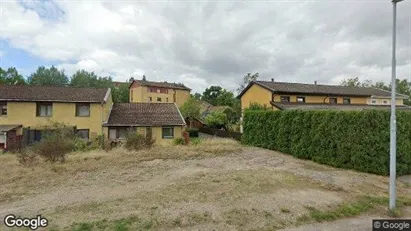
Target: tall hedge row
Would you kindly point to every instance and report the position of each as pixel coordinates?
(346, 139)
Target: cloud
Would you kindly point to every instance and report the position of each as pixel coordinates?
(213, 43)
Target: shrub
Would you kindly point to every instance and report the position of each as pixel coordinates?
(54, 148)
(193, 132)
(179, 141)
(135, 141)
(347, 139)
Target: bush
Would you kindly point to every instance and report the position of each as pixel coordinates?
(135, 141)
(347, 139)
(192, 132)
(54, 148)
(179, 141)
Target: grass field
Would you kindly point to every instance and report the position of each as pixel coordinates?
(218, 184)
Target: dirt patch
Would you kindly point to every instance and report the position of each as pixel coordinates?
(220, 186)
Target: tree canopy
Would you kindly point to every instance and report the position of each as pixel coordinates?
(11, 77)
(48, 76)
(190, 109)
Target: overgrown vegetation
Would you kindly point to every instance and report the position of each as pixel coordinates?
(347, 139)
(179, 141)
(135, 141)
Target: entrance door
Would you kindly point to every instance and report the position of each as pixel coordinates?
(149, 133)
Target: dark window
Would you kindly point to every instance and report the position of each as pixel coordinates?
(158, 99)
(83, 109)
(3, 108)
(300, 99)
(120, 132)
(167, 99)
(167, 133)
(346, 101)
(385, 102)
(333, 100)
(44, 109)
(83, 133)
(285, 99)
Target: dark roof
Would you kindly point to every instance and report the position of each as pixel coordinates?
(301, 88)
(323, 106)
(162, 84)
(52, 94)
(145, 114)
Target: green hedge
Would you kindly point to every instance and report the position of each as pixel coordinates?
(346, 139)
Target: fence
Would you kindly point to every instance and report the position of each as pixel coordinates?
(221, 133)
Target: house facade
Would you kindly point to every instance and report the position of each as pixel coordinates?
(161, 121)
(282, 95)
(35, 108)
(142, 91)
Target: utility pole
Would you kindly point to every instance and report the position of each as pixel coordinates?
(393, 120)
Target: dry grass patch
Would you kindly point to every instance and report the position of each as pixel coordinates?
(18, 180)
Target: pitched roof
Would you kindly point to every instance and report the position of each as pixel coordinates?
(322, 106)
(145, 114)
(161, 84)
(317, 89)
(52, 94)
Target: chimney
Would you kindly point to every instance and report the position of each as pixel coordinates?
(272, 79)
(315, 82)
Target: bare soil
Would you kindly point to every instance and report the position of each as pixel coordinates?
(218, 185)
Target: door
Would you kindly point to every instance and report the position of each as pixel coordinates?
(149, 133)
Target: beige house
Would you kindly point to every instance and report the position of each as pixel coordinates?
(161, 121)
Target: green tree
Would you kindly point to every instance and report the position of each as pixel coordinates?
(190, 109)
(120, 94)
(11, 77)
(248, 78)
(216, 119)
(83, 78)
(196, 96)
(48, 76)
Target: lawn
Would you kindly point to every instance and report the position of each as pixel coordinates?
(218, 184)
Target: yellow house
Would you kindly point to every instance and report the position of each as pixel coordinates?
(282, 95)
(159, 92)
(161, 121)
(287, 96)
(34, 108)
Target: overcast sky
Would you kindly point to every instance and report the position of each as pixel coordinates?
(208, 43)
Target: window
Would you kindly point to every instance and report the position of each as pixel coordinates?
(3, 108)
(300, 99)
(83, 133)
(120, 132)
(346, 101)
(151, 89)
(44, 109)
(167, 99)
(385, 102)
(333, 100)
(285, 99)
(163, 90)
(150, 99)
(167, 133)
(83, 109)
(158, 99)
(373, 101)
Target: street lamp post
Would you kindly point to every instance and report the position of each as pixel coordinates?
(393, 121)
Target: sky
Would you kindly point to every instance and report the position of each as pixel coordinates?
(204, 43)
